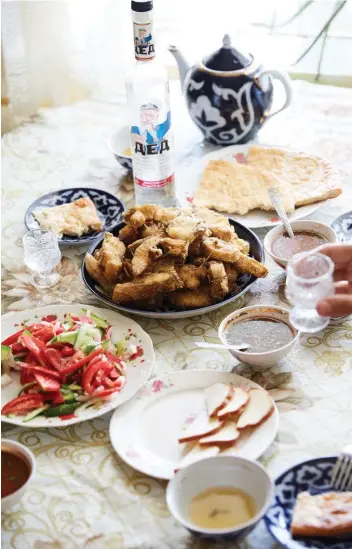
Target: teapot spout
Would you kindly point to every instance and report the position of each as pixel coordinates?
(183, 66)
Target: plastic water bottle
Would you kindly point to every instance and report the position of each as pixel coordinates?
(150, 117)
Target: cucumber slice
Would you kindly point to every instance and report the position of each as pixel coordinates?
(99, 322)
(35, 413)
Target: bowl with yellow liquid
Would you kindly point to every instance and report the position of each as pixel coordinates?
(220, 496)
(119, 145)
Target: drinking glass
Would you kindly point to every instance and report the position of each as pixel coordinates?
(309, 279)
(41, 255)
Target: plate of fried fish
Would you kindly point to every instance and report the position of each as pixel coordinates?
(173, 262)
(78, 215)
(235, 182)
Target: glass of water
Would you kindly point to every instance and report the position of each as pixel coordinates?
(309, 279)
(41, 255)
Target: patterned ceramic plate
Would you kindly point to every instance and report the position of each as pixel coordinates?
(144, 433)
(109, 208)
(188, 179)
(343, 227)
(244, 282)
(122, 328)
(314, 474)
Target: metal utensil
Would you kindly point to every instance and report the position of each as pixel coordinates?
(222, 346)
(280, 210)
(342, 472)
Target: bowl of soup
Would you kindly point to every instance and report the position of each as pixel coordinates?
(220, 496)
(308, 235)
(17, 471)
(119, 145)
(266, 330)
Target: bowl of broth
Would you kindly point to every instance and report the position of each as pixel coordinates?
(17, 471)
(119, 145)
(266, 330)
(220, 496)
(308, 235)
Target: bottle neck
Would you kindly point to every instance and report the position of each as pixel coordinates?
(143, 35)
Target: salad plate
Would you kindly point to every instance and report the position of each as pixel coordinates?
(102, 335)
(144, 432)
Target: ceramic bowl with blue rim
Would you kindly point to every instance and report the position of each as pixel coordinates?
(244, 281)
(119, 144)
(109, 209)
(313, 476)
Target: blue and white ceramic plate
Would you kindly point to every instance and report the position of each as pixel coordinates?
(314, 476)
(109, 208)
(343, 227)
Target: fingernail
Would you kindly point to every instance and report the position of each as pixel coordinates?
(324, 308)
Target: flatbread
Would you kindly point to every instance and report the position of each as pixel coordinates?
(312, 178)
(237, 188)
(322, 515)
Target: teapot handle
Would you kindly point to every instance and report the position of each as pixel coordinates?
(286, 82)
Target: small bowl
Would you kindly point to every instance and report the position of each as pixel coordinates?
(260, 360)
(8, 501)
(118, 142)
(226, 471)
(310, 226)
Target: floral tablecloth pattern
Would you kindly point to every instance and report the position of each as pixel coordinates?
(83, 495)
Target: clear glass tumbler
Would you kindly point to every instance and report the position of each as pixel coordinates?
(309, 279)
(41, 255)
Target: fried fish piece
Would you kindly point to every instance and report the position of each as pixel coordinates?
(146, 287)
(175, 246)
(96, 272)
(246, 264)
(232, 275)
(219, 286)
(191, 299)
(128, 234)
(153, 229)
(224, 233)
(144, 254)
(110, 256)
(136, 220)
(217, 249)
(192, 276)
(184, 227)
(152, 212)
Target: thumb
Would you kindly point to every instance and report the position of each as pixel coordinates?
(339, 305)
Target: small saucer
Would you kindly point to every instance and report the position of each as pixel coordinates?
(343, 227)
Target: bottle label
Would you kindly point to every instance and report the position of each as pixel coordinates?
(143, 41)
(151, 154)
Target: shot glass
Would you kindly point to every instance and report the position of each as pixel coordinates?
(309, 279)
(41, 255)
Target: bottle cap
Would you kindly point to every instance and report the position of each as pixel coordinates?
(142, 6)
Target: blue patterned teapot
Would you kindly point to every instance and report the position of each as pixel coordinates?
(229, 95)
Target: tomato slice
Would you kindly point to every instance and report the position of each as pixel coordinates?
(47, 383)
(12, 339)
(26, 376)
(18, 348)
(55, 397)
(73, 365)
(49, 318)
(35, 346)
(91, 372)
(45, 333)
(67, 351)
(106, 392)
(33, 368)
(121, 367)
(52, 357)
(23, 404)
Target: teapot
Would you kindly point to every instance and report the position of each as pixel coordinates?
(229, 94)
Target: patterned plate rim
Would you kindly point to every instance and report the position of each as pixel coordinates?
(29, 219)
(278, 480)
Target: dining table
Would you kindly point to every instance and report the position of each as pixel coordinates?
(83, 494)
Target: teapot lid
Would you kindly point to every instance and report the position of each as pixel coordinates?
(228, 58)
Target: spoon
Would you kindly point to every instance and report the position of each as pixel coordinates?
(222, 346)
(280, 210)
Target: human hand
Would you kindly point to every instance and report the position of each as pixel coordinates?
(341, 303)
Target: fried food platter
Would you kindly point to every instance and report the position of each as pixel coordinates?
(173, 263)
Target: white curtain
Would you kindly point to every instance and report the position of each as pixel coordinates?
(58, 51)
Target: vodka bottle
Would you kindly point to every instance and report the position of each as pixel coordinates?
(150, 118)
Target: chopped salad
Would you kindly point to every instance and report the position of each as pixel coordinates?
(63, 365)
